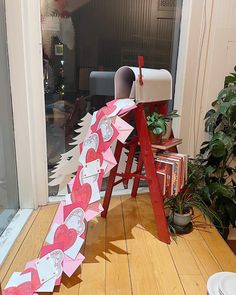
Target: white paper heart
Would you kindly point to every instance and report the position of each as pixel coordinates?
(56, 260)
(91, 142)
(106, 129)
(76, 220)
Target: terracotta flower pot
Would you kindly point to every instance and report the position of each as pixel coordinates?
(155, 138)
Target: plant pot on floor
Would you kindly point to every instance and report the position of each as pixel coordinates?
(182, 219)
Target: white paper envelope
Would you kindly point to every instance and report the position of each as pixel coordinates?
(121, 104)
(71, 265)
(91, 168)
(123, 128)
(50, 237)
(17, 279)
(48, 286)
(73, 251)
(68, 199)
(45, 269)
(109, 159)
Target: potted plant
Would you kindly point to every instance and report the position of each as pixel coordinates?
(191, 196)
(218, 154)
(160, 126)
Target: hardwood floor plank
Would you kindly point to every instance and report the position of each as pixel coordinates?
(123, 255)
(15, 248)
(117, 268)
(205, 260)
(93, 267)
(183, 257)
(33, 242)
(217, 246)
(141, 267)
(159, 254)
(194, 284)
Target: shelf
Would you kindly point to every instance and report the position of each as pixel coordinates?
(167, 144)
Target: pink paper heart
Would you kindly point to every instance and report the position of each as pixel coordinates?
(22, 289)
(65, 236)
(35, 282)
(82, 195)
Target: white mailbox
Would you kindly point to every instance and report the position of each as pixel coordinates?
(157, 84)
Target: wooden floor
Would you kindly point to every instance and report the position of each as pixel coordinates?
(123, 255)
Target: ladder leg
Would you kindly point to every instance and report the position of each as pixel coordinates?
(137, 179)
(129, 163)
(149, 164)
(111, 179)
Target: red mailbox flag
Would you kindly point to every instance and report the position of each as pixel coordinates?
(140, 64)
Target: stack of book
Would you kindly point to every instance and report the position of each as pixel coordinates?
(172, 172)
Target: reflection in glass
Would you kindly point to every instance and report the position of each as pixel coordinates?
(82, 36)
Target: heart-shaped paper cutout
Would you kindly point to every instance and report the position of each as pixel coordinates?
(56, 258)
(66, 236)
(76, 220)
(82, 195)
(35, 282)
(22, 289)
(105, 126)
(92, 155)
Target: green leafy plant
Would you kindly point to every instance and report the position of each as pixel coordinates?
(158, 122)
(218, 153)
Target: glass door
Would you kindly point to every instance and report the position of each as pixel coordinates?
(80, 37)
(9, 199)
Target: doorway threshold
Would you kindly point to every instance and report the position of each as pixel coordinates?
(12, 231)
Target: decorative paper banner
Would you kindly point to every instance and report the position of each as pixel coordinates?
(61, 251)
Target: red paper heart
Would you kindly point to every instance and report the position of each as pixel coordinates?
(35, 282)
(92, 155)
(82, 195)
(22, 289)
(66, 236)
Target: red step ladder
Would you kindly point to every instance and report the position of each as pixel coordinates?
(146, 160)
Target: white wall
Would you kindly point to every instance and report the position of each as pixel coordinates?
(207, 55)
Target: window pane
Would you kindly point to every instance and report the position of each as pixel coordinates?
(9, 200)
(97, 35)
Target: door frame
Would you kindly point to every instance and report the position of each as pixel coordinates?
(26, 71)
(26, 77)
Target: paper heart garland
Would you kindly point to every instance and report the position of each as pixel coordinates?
(22, 289)
(35, 282)
(76, 220)
(92, 155)
(107, 130)
(108, 110)
(53, 262)
(82, 195)
(69, 233)
(66, 236)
